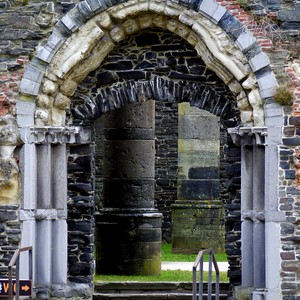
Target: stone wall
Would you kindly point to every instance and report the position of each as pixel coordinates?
(23, 27)
(10, 235)
(26, 25)
(81, 222)
(151, 56)
(166, 162)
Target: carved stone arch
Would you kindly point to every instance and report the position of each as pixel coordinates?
(79, 43)
(82, 39)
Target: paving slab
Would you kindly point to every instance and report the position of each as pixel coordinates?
(188, 266)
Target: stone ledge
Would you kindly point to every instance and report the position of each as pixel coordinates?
(42, 214)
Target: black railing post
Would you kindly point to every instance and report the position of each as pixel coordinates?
(16, 261)
(212, 261)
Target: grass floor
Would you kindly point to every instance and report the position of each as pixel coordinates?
(167, 255)
(167, 275)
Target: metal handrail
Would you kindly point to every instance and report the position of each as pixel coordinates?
(212, 260)
(16, 261)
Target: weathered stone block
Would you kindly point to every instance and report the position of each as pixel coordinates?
(128, 193)
(259, 61)
(97, 5)
(157, 6)
(198, 189)
(231, 25)
(294, 120)
(218, 14)
(208, 7)
(31, 80)
(204, 173)
(85, 9)
(293, 141)
(289, 15)
(135, 159)
(54, 42)
(245, 40)
(267, 85)
(197, 227)
(198, 127)
(8, 135)
(137, 248)
(85, 226)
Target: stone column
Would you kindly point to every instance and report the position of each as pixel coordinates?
(59, 224)
(29, 187)
(43, 222)
(259, 216)
(274, 217)
(51, 214)
(128, 226)
(198, 214)
(43, 162)
(246, 211)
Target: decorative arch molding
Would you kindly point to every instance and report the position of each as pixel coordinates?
(83, 38)
(159, 89)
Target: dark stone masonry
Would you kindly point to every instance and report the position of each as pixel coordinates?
(125, 124)
(157, 64)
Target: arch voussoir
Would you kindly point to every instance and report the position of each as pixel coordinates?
(158, 88)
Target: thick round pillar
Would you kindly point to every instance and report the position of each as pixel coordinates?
(128, 226)
(128, 243)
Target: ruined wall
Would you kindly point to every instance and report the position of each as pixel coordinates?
(156, 56)
(27, 24)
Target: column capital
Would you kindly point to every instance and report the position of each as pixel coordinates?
(248, 135)
(56, 135)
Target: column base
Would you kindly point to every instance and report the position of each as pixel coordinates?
(250, 293)
(128, 242)
(197, 225)
(243, 293)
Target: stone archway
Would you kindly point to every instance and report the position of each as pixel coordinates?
(168, 74)
(79, 43)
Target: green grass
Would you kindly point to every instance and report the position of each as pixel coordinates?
(166, 275)
(167, 255)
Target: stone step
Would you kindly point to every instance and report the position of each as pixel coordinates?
(149, 290)
(151, 296)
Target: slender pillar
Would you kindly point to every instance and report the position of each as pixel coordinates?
(43, 223)
(259, 219)
(29, 188)
(274, 217)
(59, 176)
(43, 254)
(44, 206)
(59, 253)
(29, 176)
(246, 210)
(44, 187)
(59, 224)
(51, 214)
(128, 226)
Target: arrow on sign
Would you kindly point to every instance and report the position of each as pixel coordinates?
(24, 288)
